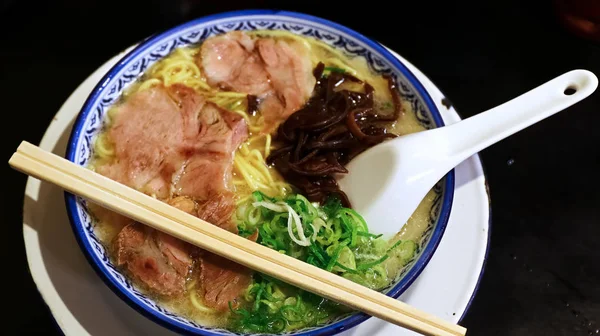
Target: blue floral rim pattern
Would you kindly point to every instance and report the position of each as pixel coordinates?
(132, 65)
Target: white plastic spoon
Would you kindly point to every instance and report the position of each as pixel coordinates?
(387, 182)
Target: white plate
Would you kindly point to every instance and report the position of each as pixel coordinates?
(83, 305)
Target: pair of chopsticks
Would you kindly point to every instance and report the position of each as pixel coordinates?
(120, 198)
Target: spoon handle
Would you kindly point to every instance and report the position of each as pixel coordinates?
(476, 133)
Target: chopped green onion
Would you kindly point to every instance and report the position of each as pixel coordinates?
(365, 266)
(346, 258)
(334, 69)
(258, 196)
(291, 313)
(395, 245)
(345, 268)
(328, 236)
(356, 217)
(254, 216)
(270, 206)
(370, 235)
(318, 254)
(335, 256)
(407, 249)
(258, 295)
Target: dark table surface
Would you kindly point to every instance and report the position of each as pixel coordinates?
(543, 272)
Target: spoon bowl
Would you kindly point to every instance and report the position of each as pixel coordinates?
(387, 182)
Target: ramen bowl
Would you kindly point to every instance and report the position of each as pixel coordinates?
(132, 66)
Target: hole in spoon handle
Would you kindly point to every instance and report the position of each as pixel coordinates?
(570, 90)
(579, 82)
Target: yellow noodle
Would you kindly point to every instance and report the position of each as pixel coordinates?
(198, 305)
(149, 83)
(103, 148)
(252, 126)
(197, 84)
(255, 128)
(190, 284)
(230, 94)
(242, 200)
(268, 145)
(185, 52)
(177, 71)
(282, 188)
(259, 163)
(236, 104)
(244, 149)
(252, 183)
(252, 167)
(254, 171)
(110, 116)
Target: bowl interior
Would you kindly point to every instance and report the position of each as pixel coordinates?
(128, 69)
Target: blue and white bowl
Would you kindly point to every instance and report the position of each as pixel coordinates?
(132, 65)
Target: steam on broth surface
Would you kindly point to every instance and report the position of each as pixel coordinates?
(197, 130)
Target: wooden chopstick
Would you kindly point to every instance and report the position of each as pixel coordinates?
(120, 198)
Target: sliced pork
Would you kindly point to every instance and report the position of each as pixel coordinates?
(185, 204)
(207, 174)
(160, 261)
(278, 72)
(171, 143)
(290, 71)
(229, 61)
(223, 281)
(147, 134)
(208, 170)
(217, 210)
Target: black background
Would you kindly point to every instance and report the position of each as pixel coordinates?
(543, 272)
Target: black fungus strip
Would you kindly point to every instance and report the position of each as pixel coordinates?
(334, 126)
